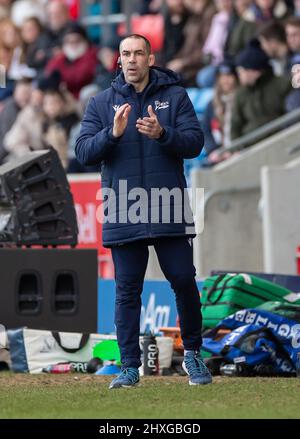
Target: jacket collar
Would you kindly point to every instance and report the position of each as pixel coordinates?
(158, 78)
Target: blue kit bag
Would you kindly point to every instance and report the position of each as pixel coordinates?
(257, 337)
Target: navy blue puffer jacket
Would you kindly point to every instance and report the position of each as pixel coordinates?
(142, 162)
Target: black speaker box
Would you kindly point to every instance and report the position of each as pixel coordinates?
(36, 205)
(53, 289)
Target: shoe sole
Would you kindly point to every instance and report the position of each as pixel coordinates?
(123, 386)
(184, 368)
(199, 384)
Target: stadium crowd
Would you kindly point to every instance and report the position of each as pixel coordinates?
(242, 50)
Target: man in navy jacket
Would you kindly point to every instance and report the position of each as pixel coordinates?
(139, 131)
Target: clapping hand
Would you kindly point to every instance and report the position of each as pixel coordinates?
(121, 120)
(149, 125)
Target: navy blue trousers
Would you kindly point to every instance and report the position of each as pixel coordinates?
(175, 257)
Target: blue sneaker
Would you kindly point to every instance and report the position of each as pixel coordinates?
(194, 366)
(128, 377)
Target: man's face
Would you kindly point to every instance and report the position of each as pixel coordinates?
(36, 99)
(22, 94)
(9, 37)
(57, 14)
(223, 5)
(135, 60)
(248, 76)
(53, 105)
(195, 6)
(271, 47)
(5, 2)
(241, 5)
(293, 37)
(30, 31)
(107, 57)
(227, 82)
(175, 6)
(265, 4)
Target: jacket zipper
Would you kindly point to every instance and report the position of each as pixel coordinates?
(141, 106)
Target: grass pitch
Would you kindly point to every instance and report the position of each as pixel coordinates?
(75, 396)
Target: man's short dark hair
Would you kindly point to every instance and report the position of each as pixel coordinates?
(292, 21)
(55, 92)
(23, 81)
(273, 31)
(138, 36)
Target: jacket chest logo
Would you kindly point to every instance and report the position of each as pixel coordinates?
(161, 105)
(116, 107)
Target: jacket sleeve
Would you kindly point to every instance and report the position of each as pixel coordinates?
(94, 141)
(186, 139)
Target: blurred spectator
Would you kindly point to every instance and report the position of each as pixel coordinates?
(35, 43)
(12, 106)
(216, 122)
(175, 18)
(77, 64)
(189, 59)
(108, 63)
(240, 30)
(74, 166)
(266, 10)
(5, 8)
(297, 8)
(149, 6)
(213, 48)
(292, 101)
(273, 41)
(9, 40)
(26, 132)
(260, 99)
(58, 123)
(12, 57)
(257, 13)
(23, 9)
(290, 3)
(292, 29)
(58, 20)
(11, 52)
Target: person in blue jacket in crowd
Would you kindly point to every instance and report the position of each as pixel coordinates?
(139, 131)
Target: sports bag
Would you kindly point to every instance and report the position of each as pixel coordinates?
(33, 350)
(288, 310)
(5, 362)
(225, 294)
(257, 337)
